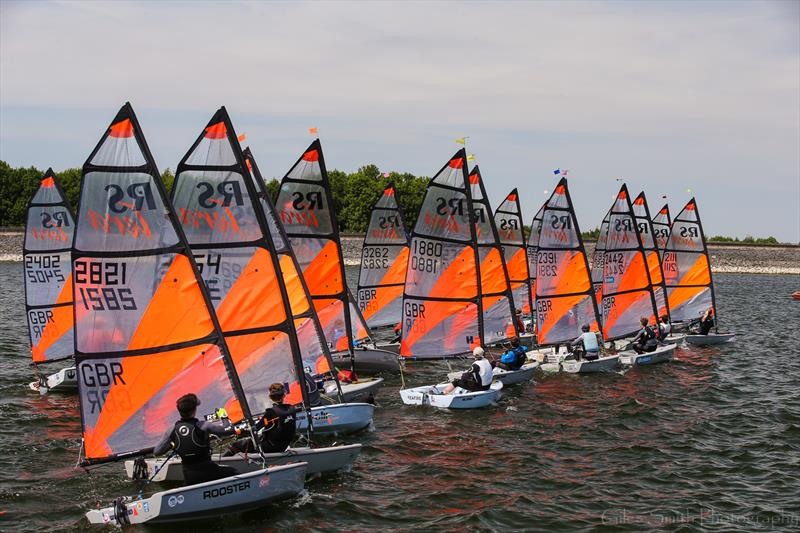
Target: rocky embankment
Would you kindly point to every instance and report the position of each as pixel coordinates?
(729, 259)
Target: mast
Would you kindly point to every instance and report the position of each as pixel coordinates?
(145, 329)
(49, 232)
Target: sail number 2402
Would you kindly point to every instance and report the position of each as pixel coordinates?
(103, 292)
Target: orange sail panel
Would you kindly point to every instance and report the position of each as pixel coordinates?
(314, 352)
(497, 304)
(687, 272)
(564, 296)
(305, 207)
(440, 298)
(384, 258)
(647, 233)
(627, 289)
(145, 331)
(661, 227)
(508, 220)
(49, 230)
(237, 261)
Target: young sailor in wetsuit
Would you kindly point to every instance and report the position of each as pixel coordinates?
(514, 358)
(189, 438)
(477, 378)
(664, 327)
(707, 322)
(645, 340)
(587, 342)
(276, 428)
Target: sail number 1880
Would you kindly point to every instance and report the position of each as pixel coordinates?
(425, 256)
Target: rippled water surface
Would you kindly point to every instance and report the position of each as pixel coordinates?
(710, 441)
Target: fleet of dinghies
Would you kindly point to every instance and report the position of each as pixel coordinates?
(218, 291)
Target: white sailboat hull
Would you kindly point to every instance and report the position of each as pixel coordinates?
(213, 498)
(507, 377)
(609, 363)
(65, 380)
(318, 460)
(369, 359)
(363, 390)
(337, 419)
(458, 399)
(711, 339)
(661, 354)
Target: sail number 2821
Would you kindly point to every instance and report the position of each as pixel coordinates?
(104, 292)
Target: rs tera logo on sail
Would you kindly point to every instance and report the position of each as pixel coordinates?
(137, 197)
(52, 224)
(231, 192)
(300, 210)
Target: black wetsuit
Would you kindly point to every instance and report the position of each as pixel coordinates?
(471, 379)
(190, 439)
(279, 426)
(706, 325)
(645, 340)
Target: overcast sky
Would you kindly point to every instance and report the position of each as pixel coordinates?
(668, 96)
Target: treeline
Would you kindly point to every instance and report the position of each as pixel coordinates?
(747, 240)
(353, 193)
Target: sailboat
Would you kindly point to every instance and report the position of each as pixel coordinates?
(445, 308)
(146, 334)
(384, 258)
(661, 228)
(687, 271)
(628, 292)
(314, 349)
(305, 207)
(564, 295)
(597, 259)
(249, 283)
(508, 221)
(646, 230)
(49, 230)
(532, 247)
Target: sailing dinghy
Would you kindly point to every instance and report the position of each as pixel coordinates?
(564, 296)
(531, 248)
(433, 396)
(628, 291)
(252, 279)
(146, 333)
(49, 230)
(305, 207)
(687, 270)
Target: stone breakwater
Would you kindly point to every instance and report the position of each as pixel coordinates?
(728, 259)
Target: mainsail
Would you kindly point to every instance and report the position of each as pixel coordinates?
(384, 258)
(531, 249)
(564, 295)
(597, 259)
(145, 331)
(646, 232)
(217, 201)
(497, 303)
(627, 290)
(687, 271)
(314, 350)
(306, 210)
(661, 227)
(508, 220)
(49, 230)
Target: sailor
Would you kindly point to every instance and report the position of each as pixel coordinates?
(276, 428)
(398, 332)
(189, 438)
(477, 378)
(514, 358)
(664, 327)
(587, 343)
(645, 340)
(707, 321)
(520, 323)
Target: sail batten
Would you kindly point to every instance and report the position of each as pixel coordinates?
(563, 292)
(145, 330)
(49, 231)
(627, 291)
(384, 258)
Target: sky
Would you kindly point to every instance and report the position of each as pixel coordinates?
(665, 96)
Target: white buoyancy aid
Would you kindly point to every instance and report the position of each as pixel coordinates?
(484, 371)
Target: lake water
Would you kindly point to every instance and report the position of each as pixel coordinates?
(708, 442)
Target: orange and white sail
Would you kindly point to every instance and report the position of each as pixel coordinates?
(627, 289)
(597, 259)
(647, 232)
(441, 309)
(305, 207)
(564, 296)
(314, 351)
(508, 220)
(532, 247)
(687, 271)
(662, 223)
(217, 203)
(384, 258)
(145, 329)
(49, 229)
(497, 303)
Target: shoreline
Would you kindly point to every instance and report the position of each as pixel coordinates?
(726, 258)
